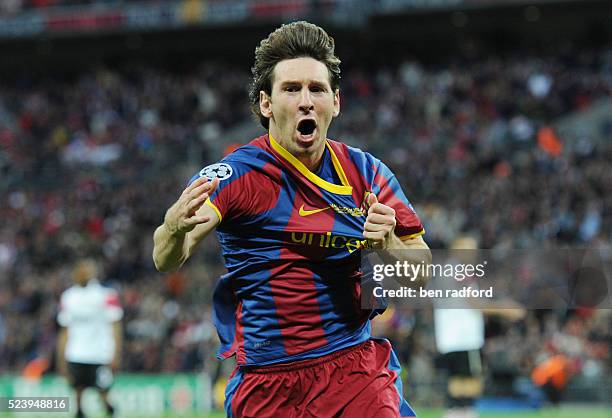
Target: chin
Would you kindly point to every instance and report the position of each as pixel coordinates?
(308, 146)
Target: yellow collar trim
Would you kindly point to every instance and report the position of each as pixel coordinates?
(337, 165)
(330, 187)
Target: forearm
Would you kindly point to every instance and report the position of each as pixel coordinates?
(414, 251)
(118, 336)
(169, 250)
(379, 231)
(186, 223)
(61, 350)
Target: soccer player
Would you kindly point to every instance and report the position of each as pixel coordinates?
(292, 211)
(89, 342)
(460, 335)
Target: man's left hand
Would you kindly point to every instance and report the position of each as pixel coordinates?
(379, 228)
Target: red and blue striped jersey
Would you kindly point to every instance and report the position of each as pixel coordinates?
(291, 243)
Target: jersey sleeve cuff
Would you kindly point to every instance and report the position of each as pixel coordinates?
(411, 236)
(215, 208)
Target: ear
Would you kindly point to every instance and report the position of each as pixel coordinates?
(265, 104)
(336, 102)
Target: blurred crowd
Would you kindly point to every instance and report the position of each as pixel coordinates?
(9, 8)
(13, 7)
(89, 166)
(90, 162)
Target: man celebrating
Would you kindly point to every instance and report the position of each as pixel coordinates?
(89, 342)
(292, 210)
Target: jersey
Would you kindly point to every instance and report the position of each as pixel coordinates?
(291, 241)
(458, 325)
(88, 312)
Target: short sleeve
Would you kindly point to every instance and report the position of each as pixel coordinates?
(389, 192)
(63, 316)
(242, 191)
(112, 306)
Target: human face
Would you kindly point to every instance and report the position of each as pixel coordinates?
(84, 271)
(301, 107)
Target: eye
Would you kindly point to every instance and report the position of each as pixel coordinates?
(292, 89)
(317, 89)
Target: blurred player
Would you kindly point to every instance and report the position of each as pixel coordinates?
(292, 210)
(460, 336)
(89, 343)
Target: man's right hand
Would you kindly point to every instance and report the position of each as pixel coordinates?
(181, 217)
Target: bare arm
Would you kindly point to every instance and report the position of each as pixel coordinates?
(118, 337)
(418, 253)
(379, 230)
(186, 223)
(62, 365)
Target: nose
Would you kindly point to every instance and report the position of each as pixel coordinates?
(306, 104)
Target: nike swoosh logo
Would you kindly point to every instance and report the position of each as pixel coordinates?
(304, 212)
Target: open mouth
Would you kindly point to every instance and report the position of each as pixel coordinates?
(306, 127)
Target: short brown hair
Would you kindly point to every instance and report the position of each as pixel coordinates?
(292, 40)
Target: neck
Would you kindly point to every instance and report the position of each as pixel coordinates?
(312, 161)
(311, 158)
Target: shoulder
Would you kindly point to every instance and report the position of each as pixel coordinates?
(68, 293)
(108, 295)
(111, 297)
(97, 288)
(69, 302)
(251, 158)
(361, 166)
(357, 155)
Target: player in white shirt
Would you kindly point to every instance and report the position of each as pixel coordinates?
(89, 342)
(460, 336)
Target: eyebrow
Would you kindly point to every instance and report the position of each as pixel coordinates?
(316, 82)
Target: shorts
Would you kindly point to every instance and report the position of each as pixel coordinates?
(465, 378)
(90, 375)
(359, 381)
(463, 363)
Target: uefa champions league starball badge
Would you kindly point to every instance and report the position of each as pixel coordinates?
(221, 171)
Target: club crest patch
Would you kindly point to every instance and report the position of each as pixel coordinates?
(221, 171)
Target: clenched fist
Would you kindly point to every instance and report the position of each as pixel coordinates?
(182, 216)
(379, 228)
